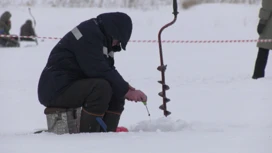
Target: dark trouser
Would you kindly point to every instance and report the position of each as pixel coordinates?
(96, 99)
(260, 64)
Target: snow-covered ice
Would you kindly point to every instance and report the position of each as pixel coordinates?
(216, 106)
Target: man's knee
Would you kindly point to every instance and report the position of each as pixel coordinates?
(99, 99)
(103, 88)
(102, 83)
(98, 87)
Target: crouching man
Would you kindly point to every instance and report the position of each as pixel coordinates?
(5, 26)
(26, 31)
(80, 72)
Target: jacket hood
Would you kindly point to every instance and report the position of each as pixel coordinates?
(5, 17)
(28, 22)
(118, 25)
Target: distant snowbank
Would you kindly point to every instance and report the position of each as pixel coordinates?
(137, 4)
(144, 4)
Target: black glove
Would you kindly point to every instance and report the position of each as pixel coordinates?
(261, 26)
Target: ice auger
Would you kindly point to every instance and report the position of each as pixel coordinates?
(162, 67)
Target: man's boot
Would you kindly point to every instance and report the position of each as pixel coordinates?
(111, 119)
(88, 122)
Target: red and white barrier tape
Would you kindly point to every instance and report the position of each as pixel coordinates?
(164, 41)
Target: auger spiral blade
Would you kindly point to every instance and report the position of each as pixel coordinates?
(166, 112)
(162, 68)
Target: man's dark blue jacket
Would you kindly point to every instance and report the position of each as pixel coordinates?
(85, 52)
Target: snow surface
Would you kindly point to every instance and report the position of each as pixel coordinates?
(216, 106)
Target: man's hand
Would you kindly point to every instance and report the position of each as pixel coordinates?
(136, 95)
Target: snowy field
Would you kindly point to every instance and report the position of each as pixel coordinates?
(216, 106)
